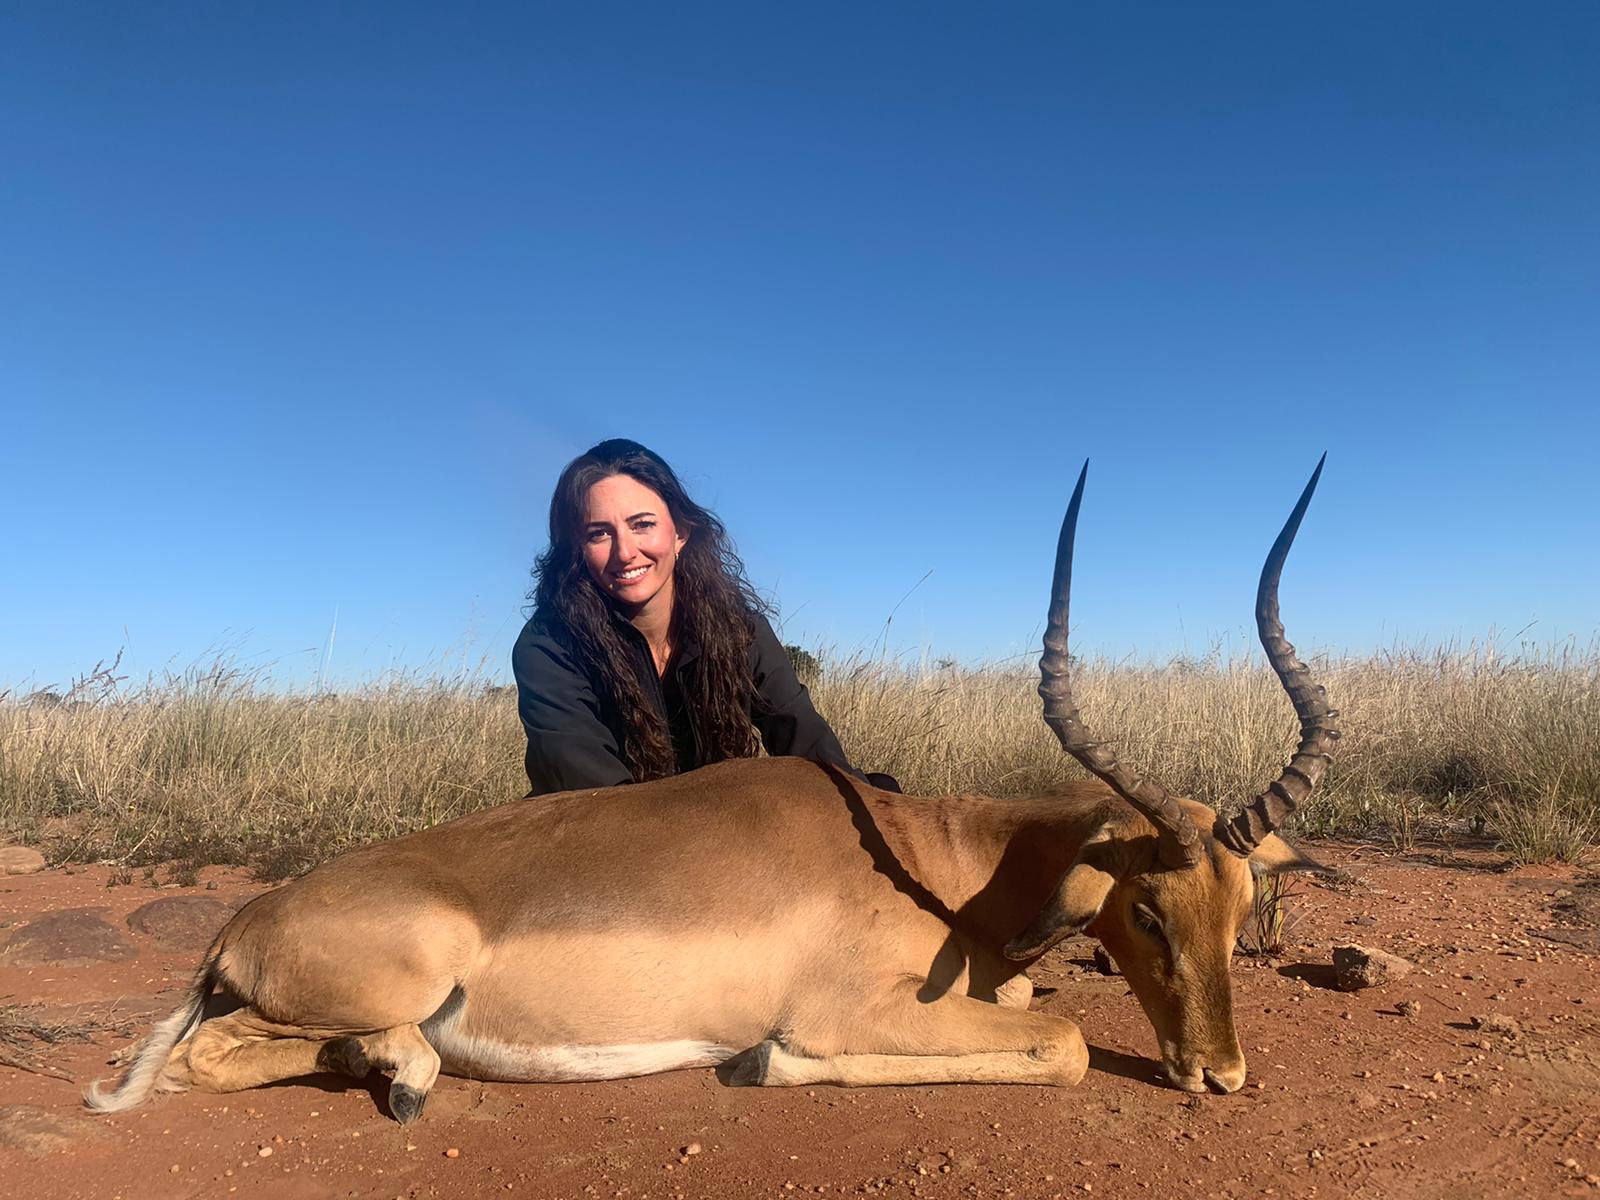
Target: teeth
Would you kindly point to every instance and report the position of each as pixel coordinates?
(633, 573)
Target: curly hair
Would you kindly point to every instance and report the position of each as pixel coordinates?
(713, 606)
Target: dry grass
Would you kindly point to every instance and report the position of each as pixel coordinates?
(26, 1029)
(215, 766)
(1459, 739)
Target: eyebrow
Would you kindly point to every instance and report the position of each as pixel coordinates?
(607, 524)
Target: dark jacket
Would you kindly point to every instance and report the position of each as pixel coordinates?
(575, 738)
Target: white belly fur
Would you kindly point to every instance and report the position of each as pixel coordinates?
(484, 1058)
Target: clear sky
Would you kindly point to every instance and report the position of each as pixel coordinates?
(303, 307)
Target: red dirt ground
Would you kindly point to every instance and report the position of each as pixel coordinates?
(1348, 1095)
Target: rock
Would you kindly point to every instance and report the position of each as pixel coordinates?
(181, 922)
(1498, 1023)
(20, 860)
(1409, 1008)
(1357, 967)
(37, 1131)
(73, 937)
(1102, 961)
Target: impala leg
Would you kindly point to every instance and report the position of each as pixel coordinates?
(412, 1062)
(242, 1050)
(954, 1039)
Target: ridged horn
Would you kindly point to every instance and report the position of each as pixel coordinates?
(1317, 731)
(1179, 839)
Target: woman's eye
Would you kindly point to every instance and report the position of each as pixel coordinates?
(640, 526)
(595, 535)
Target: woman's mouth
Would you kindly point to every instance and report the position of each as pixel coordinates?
(631, 574)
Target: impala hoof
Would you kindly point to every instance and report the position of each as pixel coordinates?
(405, 1102)
(751, 1069)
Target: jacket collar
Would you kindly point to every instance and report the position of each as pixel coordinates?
(683, 654)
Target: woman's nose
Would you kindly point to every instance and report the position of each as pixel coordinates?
(623, 548)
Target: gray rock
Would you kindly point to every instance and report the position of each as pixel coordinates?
(20, 860)
(38, 1131)
(181, 922)
(73, 937)
(1357, 967)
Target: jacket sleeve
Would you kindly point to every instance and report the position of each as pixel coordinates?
(782, 712)
(569, 746)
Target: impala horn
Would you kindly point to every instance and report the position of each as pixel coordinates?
(1179, 839)
(1317, 731)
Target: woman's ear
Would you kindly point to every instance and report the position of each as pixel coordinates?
(1075, 903)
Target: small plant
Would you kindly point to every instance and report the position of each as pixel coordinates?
(1549, 830)
(1271, 923)
(1405, 818)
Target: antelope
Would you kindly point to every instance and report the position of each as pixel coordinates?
(776, 918)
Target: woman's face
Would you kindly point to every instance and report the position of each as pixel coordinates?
(630, 545)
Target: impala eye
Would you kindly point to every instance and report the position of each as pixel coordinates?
(1145, 918)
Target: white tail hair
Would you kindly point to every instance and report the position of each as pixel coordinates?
(143, 1074)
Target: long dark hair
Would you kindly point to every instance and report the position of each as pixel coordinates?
(713, 606)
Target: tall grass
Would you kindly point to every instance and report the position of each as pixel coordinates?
(217, 766)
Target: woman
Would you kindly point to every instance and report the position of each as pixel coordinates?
(648, 652)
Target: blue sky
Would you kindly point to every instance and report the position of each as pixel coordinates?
(303, 307)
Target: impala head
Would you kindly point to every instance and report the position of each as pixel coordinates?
(1167, 886)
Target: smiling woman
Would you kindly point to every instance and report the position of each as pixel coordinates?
(648, 652)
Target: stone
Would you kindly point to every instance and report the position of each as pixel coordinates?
(181, 922)
(1498, 1023)
(1358, 967)
(73, 937)
(1102, 961)
(37, 1131)
(20, 860)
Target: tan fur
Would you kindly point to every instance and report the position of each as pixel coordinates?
(835, 932)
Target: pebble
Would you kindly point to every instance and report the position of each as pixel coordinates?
(264, 1152)
(452, 1153)
(692, 1148)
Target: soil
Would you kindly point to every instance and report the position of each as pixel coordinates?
(1473, 1075)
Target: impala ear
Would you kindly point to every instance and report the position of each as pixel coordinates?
(1076, 902)
(1274, 856)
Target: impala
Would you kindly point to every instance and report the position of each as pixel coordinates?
(775, 916)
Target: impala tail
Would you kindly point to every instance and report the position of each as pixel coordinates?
(144, 1073)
